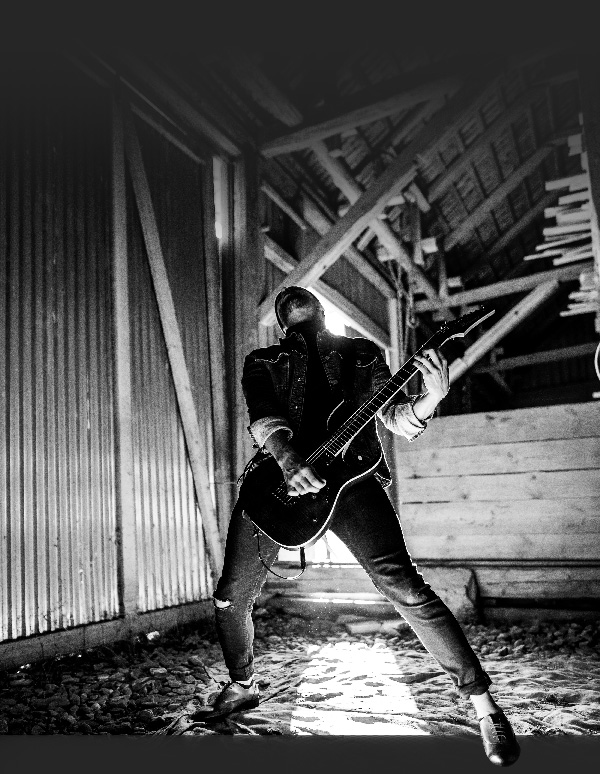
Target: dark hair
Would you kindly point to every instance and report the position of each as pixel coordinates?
(290, 299)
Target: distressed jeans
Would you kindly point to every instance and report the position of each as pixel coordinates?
(367, 523)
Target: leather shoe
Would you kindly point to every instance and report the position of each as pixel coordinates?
(499, 741)
(233, 698)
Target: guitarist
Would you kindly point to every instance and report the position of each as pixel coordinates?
(291, 389)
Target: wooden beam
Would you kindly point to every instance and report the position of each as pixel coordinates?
(356, 317)
(343, 179)
(140, 105)
(336, 240)
(481, 144)
(520, 226)
(183, 389)
(393, 180)
(319, 220)
(496, 197)
(225, 486)
(276, 197)
(506, 324)
(590, 105)
(401, 94)
(195, 117)
(128, 579)
(418, 115)
(501, 382)
(547, 356)
(506, 287)
(261, 88)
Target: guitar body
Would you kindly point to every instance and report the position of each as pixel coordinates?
(296, 522)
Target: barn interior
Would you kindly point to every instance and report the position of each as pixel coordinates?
(152, 208)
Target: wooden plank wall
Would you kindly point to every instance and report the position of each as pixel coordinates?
(513, 494)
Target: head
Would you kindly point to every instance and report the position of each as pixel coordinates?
(295, 304)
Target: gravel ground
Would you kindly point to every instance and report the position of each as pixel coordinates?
(141, 688)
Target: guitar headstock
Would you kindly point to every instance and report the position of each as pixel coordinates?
(458, 328)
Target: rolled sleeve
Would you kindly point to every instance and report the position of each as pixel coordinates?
(264, 409)
(265, 427)
(401, 419)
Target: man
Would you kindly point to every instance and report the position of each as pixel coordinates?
(291, 389)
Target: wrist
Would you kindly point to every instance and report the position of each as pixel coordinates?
(425, 405)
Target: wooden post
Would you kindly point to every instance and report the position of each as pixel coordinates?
(127, 561)
(590, 104)
(246, 288)
(492, 336)
(172, 334)
(223, 475)
(394, 310)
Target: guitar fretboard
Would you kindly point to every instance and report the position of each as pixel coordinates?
(354, 424)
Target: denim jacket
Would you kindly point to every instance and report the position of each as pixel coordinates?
(273, 384)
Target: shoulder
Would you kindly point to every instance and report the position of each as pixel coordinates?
(271, 353)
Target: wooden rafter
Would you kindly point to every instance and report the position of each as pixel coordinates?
(418, 115)
(337, 239)
(481, 144)
(393, 180)
(394, 96)
(496, 197)
(283, 205)
(389, 239)
(362, 322)
(195, 112)
(321, 223)
(506, 287)
(491, 337)
(318, 220)
(523, 223)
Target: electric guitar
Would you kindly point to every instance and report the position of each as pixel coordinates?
(298, 521)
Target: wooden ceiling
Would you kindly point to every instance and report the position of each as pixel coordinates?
(472, 145)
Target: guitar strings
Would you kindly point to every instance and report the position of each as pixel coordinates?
(381, 397)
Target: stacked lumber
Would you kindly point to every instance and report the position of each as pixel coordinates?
(570, 238)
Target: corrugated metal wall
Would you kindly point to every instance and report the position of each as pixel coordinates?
(58, 485)
(57, 508)
(172, 559)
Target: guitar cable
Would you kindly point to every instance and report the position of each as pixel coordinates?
(283, 577)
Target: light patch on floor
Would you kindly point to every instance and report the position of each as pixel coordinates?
(353, 688)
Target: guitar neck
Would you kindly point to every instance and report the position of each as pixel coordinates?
(363, 415)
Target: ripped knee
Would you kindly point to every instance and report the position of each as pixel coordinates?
(221, 603)
(417, 597)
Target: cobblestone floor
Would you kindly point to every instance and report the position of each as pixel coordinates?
(546, 675)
